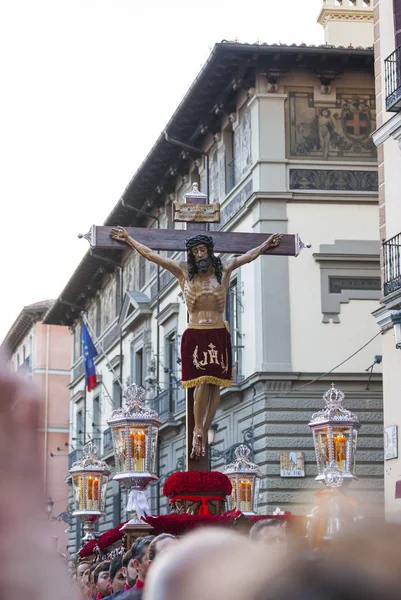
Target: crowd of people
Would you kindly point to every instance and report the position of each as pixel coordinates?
(125, 575)
(209, 564)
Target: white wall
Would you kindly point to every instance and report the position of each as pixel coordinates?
(318, 346)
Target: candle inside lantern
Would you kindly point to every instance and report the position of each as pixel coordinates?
(132, 439)
(339, 451)
(245, 494)
(80, 494)
(96, 489)
(89, 492)
(234, 493)
(141, 442)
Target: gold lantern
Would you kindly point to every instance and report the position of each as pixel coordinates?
(245, 480)
(89, 481)
(335, 432)
(135, 430)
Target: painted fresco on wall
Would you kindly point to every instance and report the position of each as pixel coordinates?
(339, 130)
(243, 145)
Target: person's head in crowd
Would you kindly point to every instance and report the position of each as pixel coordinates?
(91, 582)
(86, 584)
(140, 555)
(116, 575)
(268, 531)
(211, 563)
(128, 569)
(159, 544)
(101, 578)
(82, 567)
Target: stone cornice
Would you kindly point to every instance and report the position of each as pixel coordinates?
(383, 318)
(344, 15)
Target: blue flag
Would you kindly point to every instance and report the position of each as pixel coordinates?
(88, 352)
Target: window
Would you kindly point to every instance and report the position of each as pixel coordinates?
(80, 429)
(233, 312)
(142, 271)
(98, 326)
(229, 144)
(139, 367)
(171, 369)
(117, 508)
(116, 395)
(118, 291)
(397, 22)
(97, 423)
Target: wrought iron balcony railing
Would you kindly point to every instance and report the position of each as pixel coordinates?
(392, 69)
(392, 265)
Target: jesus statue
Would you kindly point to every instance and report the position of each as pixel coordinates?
(205, 346)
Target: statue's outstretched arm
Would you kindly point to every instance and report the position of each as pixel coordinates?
(272, 242)
(121, 235)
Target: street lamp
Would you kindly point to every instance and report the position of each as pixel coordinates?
(89, 481)
(135, 430)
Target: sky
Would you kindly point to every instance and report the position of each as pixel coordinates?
(87, 86)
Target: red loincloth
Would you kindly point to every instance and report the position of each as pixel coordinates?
(206, 357)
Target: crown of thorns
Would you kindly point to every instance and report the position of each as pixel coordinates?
(197, 240)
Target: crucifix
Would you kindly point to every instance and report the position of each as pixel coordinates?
(206, 355)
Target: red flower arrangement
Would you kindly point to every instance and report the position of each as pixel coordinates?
(179, 524)
(192, 482)
(110, 537)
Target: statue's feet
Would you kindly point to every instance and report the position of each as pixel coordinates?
(198, 446)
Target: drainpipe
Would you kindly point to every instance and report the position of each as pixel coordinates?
(46, 401)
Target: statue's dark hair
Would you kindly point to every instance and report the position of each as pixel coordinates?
(202, 240)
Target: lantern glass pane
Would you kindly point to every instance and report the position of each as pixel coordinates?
(120, 449)
(245, 494)
(92, 491)
(256, 494)
(323, 449)
(340, 441)
(77, 483)
(137, 448)
(152, 449)
(354, 445)
(105, 481)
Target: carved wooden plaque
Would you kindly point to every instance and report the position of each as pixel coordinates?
(196, 213)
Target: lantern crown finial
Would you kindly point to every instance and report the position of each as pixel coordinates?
(334, 409)
(90, 460)
(242, 462)
(134, 405)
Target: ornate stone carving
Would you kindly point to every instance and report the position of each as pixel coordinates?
(324, 179)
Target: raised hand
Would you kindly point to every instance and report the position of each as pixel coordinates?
(274, 240)
(120, 234)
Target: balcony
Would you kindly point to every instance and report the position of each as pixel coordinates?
(392, 270)
(392, 69)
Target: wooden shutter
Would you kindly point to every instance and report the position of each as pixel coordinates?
(397, 22)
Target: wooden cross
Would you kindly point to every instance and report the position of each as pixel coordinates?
(174, 239)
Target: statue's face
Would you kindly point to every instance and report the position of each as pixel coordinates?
(202, 258)
(200, 251)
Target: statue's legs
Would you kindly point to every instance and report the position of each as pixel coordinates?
(206, 402)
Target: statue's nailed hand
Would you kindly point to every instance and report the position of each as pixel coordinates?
(274, 240)
(119, 234)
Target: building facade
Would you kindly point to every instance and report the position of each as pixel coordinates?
(43, 353)
(387, 137)
(284, 144)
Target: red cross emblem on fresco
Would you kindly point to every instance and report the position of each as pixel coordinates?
(357, 124)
